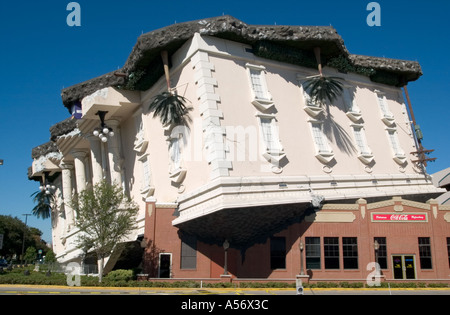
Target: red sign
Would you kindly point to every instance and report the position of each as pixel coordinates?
(389, 217)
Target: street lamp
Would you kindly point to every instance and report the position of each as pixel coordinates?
(226, 245)
(301, 247)
(104, 130)
(376, 246)
(1, 162)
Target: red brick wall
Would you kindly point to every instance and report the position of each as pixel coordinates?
(401, 237)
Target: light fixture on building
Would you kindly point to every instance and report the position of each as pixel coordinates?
(104, 131)
(47, 187)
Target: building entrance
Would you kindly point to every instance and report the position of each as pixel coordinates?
(404, 266)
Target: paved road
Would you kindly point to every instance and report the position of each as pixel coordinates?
(60, 290)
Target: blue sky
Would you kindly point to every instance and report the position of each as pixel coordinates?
(40, 55)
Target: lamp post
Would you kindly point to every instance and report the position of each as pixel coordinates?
(23, 241)
(226, 245)
(301, 247)
(376, 246)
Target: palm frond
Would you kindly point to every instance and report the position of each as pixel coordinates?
(43, 208)
(322, 88)
(170, 108)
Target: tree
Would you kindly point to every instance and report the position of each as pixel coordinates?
(322, 88)
(30, 255)
(169, 106)
(43, 206)
(105, 216)
(13, 230)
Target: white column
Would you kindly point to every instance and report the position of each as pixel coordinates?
(96, 159)
(80, 169)
(67, 194)
(114, 156)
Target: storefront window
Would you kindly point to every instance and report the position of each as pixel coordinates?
(312, 252)
(331, 252)
(425, 253)
(382, 252)
(278, 253)
(350, 252)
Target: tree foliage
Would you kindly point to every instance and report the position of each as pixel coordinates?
(322, 88)
(43, 201)
(170, 108)
(13, 231)
(105, 216)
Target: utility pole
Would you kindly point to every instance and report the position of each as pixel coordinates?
(24, 232)
(421, 153)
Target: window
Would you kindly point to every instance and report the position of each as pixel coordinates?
(312, 247)
(361, 141)
(384, 106)
(319, 138)
(448, 250)
(270, 134)
(399, 154)
(349, 102)
(145, 173)
(350, 252)
(258, 85)
(382, 252)
(425, 253)
(278, 253)
(261, 97)
(331, 252)
(188, 252)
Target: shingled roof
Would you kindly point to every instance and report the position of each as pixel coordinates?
(145, 56)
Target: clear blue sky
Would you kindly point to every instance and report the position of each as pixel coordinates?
(40, 54)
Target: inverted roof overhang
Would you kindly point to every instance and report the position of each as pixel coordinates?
(146, 52)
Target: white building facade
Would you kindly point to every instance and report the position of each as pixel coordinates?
(256, 139)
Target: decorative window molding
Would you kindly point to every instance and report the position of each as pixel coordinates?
(365, 155)
(352, 109)
(311, 108)
(140, 143)
(147, 190)
(261, 97)
(386, 116)
(324, 153)
(273, 150)
(399, 154)
(176, 173)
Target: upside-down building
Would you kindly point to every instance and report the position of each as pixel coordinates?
(262, 182)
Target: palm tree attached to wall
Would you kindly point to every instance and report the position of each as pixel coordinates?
(44, 198)
(322, 88)
(170, 107)
(43, 201)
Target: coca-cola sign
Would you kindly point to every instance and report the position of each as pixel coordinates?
(395, 217)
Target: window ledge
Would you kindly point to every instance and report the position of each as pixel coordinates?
(325, 157)
(400, 159)
(366, 158)
(388, 120)
(354, 116)
(313, 111)
(147, 191)
(178, 175)
(262, 105)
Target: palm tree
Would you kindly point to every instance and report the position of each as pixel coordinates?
(169, 106)
(322, 88)
(44, 202)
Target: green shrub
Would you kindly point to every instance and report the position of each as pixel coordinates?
(120, 275)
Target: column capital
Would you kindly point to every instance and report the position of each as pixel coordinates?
(66, 166)
(80, 154)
